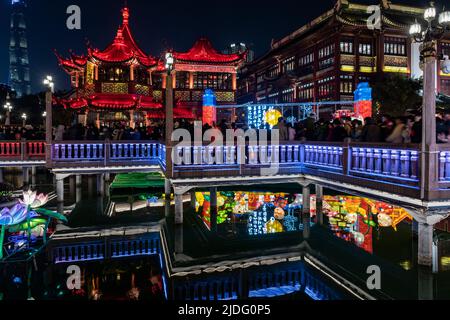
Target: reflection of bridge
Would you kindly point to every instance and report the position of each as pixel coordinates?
(390, 172)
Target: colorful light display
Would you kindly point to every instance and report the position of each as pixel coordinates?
(27, 217)
(255, 116)
(272, 117)
(209, 108)
(354, 218)
(363, 101)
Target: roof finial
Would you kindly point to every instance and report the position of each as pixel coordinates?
(125, 14)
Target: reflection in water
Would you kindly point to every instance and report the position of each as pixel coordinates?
(260, 218)
(355, 219)
(259, 213)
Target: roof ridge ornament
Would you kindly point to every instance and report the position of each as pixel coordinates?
(126, 15)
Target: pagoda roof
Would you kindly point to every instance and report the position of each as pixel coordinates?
(124, 48)
(74, 62)
(105, 101)
(204, 52)
(394, 16)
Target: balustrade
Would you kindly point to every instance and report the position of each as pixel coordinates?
(392, 163)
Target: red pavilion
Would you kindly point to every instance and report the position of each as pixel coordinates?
(124, 84)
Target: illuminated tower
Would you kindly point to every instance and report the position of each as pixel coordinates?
(19, 70)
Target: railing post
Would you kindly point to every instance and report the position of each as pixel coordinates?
(405, 164)
(346, 157)
(23, 149)
(107, 150)
(302, 154)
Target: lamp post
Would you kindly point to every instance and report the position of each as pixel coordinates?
(428, 36)
(44, 116)
(8, 107)
(24, 119)
(48, 82)
(429, 160)
(169, 113)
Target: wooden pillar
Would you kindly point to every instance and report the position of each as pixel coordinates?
(234, 81)
(97, 122)
(132, 121)
(132, 73)
(96, 72)
(174, 79)
(164, 80)
(191, 80)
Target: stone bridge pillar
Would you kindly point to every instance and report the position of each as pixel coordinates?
(101, 185)
(60, 191)
(26, 177)
(33, 176)
(306, 212)
(179, 239)
(78, 185)
(426, 247)
(179, 218)
(319, 204)
(193, 200)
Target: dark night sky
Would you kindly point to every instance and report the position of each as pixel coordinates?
(156, 25)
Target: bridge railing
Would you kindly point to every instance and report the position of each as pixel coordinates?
(107, 153)
(22, 150)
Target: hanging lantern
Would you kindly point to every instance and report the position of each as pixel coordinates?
(272, 116)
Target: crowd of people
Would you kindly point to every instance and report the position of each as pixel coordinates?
(386, 129)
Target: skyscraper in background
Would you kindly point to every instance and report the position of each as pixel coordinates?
(19, 69)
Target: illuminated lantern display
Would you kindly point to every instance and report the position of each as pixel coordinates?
(255, 116)
(272, 116)
(363, 101)
(209, 108)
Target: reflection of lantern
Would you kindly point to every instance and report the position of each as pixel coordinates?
(272, 116)
(220, 201)
(384, 220)
(351, 218)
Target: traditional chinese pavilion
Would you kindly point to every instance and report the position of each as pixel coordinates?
(124, 84)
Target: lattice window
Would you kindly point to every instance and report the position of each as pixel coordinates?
(142, 90)
(157, 95)
(225, 96)
(183, 96)
(114, 87)
(197, 96)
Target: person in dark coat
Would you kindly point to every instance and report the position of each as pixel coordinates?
(371, 131)
(338, 133)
